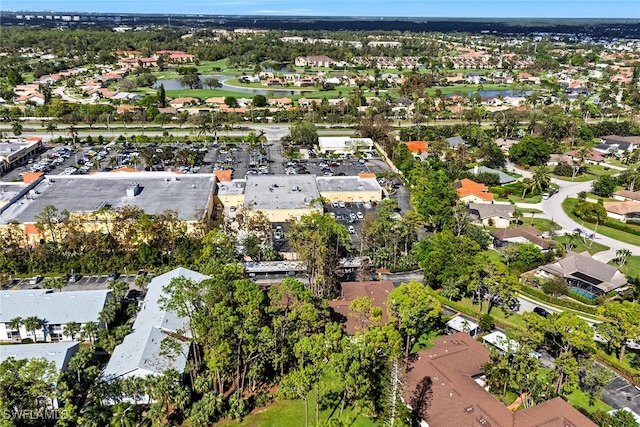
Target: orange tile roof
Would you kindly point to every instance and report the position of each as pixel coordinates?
(466, 187)
(417, 146)
(29, 177)
(367, 175)
(224, 175)
(34, 139)
(32, 230)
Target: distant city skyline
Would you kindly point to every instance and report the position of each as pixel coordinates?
(365, 8)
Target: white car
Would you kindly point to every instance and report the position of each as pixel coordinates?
(352, 229)
(359, 215)
(334, 204)
(341, 204)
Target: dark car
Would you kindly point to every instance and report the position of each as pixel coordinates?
(541, 311)
(113, 276)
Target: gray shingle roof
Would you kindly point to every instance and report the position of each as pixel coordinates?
(573, 263)
(140, 352)
(53, 307)
(504, 178)
(59, 352)
(490, 210)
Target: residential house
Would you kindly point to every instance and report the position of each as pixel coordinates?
(506, 143)
(377, 291)
(524, 234)
(622, 143)
(593, 157)
(499, 341)
(504, 178)
(184, 102)
(36, 98)
(59, 352)
(472, 192)
(492, 214)
(456, 141)
(314, 61)
(452, 370)
(623, 211)
(583, 272)
(55, 309)
(141, 353)
(624, 195)
(420, 149)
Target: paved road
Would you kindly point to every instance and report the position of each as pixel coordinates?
(553, 209)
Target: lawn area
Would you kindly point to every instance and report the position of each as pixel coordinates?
(291, 413)
(425, 341)
(580, 246)
(514, 319)
(580, 399)
(593, 171)
(517, 198)
(207, 67)
(492, 255)
(530, 210)
(631, 268)
(166, 75)
(541, 224)
(462, 89)
(569, 204)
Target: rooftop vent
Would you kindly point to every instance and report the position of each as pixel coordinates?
(133, 190)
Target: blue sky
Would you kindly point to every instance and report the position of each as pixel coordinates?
(386, 8)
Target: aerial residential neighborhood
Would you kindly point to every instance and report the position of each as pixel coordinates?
(286, 221)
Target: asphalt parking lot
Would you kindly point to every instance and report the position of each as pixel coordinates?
(348, 215)
(85, 283)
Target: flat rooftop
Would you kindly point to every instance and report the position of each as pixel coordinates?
(8, 147)
(347, 183)
(231, 188)
(159, 191)
(264, 192)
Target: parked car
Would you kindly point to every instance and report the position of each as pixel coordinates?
(113, 275)
(35, 280)
(278, 233)
(74, 278)
(351, 229)
(545, 196)
(359, 215)
(341, 204)
(541, 311)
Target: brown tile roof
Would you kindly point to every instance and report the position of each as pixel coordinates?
(378, 291)
(458, 401)
(622, 208)
(631, 195)
(532, 234)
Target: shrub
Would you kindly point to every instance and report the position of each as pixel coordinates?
(591, 212)
(563, 170)
(486, 322)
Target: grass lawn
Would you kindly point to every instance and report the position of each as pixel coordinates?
(517, 198)
(580, 246)
(530, 210)
(593, 171)
(580, 399)
(497, 312)
(541, 224)
(291, 412)
(166, 75)
(492, 255)
(569, 204)
(463, 89)
(631, 268)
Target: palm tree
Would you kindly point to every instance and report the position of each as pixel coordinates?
(124, 415)
(15, 324)
(89, 332)
(107, 315)
(32, 324)
(72, 329)
(527, 184)
(96, 416)
(621, 256)
(54, 283)
(541, 179)
(51, 127)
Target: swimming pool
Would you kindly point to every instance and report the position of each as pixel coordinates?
(582, 292)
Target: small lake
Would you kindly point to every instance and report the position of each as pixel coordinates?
(174, 84)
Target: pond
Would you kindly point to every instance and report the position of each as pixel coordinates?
(174, 84)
